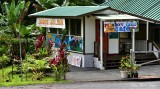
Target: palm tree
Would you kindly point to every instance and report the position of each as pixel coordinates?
(13, 14)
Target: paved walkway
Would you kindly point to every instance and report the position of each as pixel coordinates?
(93, 74)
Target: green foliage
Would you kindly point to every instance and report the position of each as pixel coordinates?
(13, 15)
(42, 30)
(3, 50)
(43, 52)
(35, 66)
(125, 63)
(26, 30)
(16, 81)
(47, 4)
(59, 63)
(4, 59)
(81, 2)
(58, 71)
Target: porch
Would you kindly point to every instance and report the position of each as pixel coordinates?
(111, 61)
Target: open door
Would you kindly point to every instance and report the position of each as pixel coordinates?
(105, 38)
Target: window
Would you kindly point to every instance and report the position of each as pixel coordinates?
(75, 27)
(59, 30)
(53, 30)
(66, 27)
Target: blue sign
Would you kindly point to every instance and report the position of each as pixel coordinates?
(126, 26)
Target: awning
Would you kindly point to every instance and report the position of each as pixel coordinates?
(118, 17)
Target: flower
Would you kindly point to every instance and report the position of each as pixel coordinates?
(39, 42)
(53, 62)
(50, 43)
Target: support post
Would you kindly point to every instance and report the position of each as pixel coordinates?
(147, 34)
(101, 45)
(133, 47)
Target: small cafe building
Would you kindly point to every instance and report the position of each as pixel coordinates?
(99, 34)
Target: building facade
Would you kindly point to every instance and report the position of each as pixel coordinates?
(89, 42)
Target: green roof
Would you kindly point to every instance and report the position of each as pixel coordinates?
(149, 9)
(69, 11)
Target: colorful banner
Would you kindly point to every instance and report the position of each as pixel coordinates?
(74, 43)
(50, 23)
(125, 26)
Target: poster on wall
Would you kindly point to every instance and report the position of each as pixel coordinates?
(76, 61)
(124, 26)
(74, 43)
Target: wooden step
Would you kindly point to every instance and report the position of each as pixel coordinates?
(113, 61)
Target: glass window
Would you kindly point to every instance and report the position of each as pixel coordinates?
(75, 27)
(53, 30)
(66, 27)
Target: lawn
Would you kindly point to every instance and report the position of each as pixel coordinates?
(16, 80)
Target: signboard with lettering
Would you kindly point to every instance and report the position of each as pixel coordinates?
(50, 22)
(125, 26)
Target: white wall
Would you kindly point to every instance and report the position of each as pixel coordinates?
(89, 34)
(113, 46)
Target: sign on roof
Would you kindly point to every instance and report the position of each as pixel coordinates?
(50, 23)
(125, 26)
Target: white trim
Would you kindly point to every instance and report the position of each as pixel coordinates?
(117, 17)
(121, 17)
(146, 20)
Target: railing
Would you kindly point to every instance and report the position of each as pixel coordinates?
(147, 52)
(153, 48)
(140, 45)
(156, 48)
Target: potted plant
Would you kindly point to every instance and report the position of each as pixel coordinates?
(125, 65)
(133, 70)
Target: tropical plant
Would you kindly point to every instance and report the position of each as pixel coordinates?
(50, 47)
(37, 69)
(37, 75)
(3, 49)
(47, 4)
(130, 68)
(59, 62)
(39, 42)
(34, 66)
(13, 15)
(4, 59)
(125, 63)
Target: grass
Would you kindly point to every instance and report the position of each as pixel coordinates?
(16, 80)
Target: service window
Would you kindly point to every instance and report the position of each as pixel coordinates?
(75, 27)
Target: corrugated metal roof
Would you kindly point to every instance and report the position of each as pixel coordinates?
(69, 11)
(145, 8)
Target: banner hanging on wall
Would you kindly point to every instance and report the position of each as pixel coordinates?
(74, 43)
(50, 23)
(125, 26)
